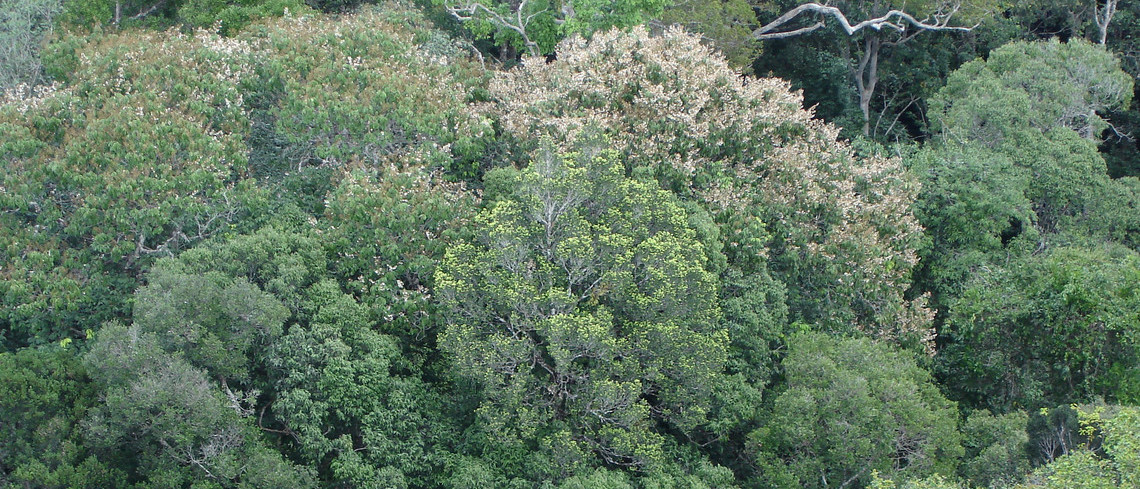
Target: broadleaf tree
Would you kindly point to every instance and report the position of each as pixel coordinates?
(785, 193)
(586, 313)
(851, 408)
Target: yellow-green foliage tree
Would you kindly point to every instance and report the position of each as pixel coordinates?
(586, 313)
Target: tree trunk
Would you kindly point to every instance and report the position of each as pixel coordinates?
(1103, 16)
(508, 54)
(866, 74)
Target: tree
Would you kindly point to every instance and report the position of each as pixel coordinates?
(1102, 15)
(103, 176)
(230, 16)
(1021, 127)
(852, 407)
(118, 13)
(724, 24)
(153, 143)
(976, 210)
(1080, 469)
(585, 311)
(1014, 169)
(837, 229)
(175, 425)
(1089, 19)
(1046, 329)
(756, 317)
(885, 26)
(1037, 86)
(1086, 467)
(216, 321)
(24, 29)
(334, 94)
(338, 397)
(332, 390)
(1117, 428)
(996, 449)
(387, 231)
(45, 394)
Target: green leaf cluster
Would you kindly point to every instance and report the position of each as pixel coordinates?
(585, 311)
(852, 408)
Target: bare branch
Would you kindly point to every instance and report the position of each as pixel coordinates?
(286, 431)
(148, 10)
(240, 400)
(895, 122)
(895, 20)
(792, 33)
(471, 8)
(1102, 16)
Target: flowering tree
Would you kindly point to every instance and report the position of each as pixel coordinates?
(153, 142)
(786, 194)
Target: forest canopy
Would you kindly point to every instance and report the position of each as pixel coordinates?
(329, 243)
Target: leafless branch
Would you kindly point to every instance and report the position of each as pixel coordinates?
(206, 226)
(895, 20)
(286, 431)
(853, 477)
(470, 9)
(895, 121)
(1102, 16)
(148, 10)
(240, 402)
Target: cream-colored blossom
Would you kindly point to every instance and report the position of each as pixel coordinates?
(670, 101)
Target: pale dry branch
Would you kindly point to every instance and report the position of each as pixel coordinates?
(865, 70)
(895, 20)
(1102, 16)
(471, 9)
(148, 10)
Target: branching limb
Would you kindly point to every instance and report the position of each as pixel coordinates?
(1102, 16)
(149, 10)
(895, 20)
(206, 224)
(895, 121)
(472, 9)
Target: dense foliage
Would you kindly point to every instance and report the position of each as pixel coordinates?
(286, 243)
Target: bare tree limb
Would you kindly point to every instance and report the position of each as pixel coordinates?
(895, 20)
(865, 71)
(1102, 16)
(791, 33)
(471, 8)
(895, 122)
(148, 10)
